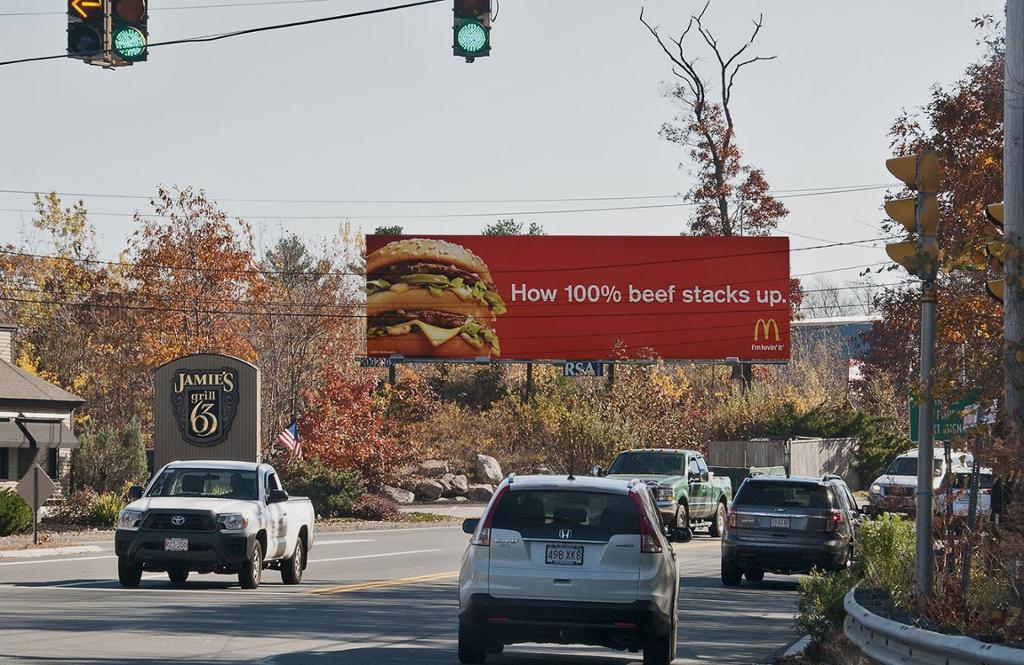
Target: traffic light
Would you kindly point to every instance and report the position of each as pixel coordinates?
(472, 32)
(129, 30)
(996, 249)
(920, 254)
(86, 21)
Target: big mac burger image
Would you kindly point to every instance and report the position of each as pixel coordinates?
(430, 298)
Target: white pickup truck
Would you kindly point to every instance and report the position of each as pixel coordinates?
(214, 517)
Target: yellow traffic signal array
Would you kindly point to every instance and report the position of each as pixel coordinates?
(996, 249)
(920, 254)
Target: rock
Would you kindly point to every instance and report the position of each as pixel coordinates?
(442, 500)
(446, 483)
(400, 496)
(409, 484)
(460, 499)
(432, 468)
(481, 493)
(542, 470)
(429, 490)
(406, 471)
(454, 485)
(487, 470)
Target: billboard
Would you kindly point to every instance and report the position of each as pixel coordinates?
(578, 297)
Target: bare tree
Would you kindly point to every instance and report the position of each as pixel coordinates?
(731, 198)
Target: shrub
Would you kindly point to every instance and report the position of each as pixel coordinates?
(15, 514)
(76, 508)
(104, 509)
(375, 508)
(108, 459)
(887, 556)
(820, 611)
(331, 491)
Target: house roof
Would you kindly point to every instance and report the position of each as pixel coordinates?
(18, 385)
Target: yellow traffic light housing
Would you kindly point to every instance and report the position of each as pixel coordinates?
(918, 215)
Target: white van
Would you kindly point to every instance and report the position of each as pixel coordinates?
(894, 491)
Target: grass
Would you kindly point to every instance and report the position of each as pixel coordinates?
(425, 518)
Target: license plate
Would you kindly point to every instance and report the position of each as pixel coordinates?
(780, 522)
(564, 555)
(176, 544)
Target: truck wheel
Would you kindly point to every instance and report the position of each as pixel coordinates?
(177, 575)
(731, 574)
(717, 527)
(252, 570)
(754, 575)
(681, 531)
(129, 573)
(291, 569)
(471, 647)
(659, 651)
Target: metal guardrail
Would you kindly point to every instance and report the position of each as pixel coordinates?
(893, 643)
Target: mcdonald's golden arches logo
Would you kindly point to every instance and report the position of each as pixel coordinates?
(765, 327)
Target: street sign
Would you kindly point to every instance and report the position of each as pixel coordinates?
(949, 419)
(376, 362)
(36, 487)
(583, 368)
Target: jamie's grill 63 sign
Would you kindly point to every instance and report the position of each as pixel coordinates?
(205, 402)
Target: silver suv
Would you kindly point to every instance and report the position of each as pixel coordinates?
(568, 560)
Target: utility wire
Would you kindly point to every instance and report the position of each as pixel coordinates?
(180, 7)
(239, 33)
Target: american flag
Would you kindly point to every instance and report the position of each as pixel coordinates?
(289, 438)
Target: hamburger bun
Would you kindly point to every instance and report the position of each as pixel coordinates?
(423, 299)
(415, 345)
(425, 249)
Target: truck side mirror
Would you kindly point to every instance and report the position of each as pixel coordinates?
(277, 496)
(705, 477)
(597, 470)
(134, 493)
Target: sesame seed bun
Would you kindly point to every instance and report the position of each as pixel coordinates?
(424, 249)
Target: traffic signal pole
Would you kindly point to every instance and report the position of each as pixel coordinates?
(924, 554)
(1013, 223)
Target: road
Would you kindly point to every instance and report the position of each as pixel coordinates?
(368, 598)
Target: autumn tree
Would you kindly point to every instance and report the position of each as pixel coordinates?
(510, 227)
(730, 197)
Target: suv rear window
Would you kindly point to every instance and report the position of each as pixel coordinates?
(782, 494)
(590, 515)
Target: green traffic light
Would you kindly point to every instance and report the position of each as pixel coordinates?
(471, 37)
(129, 43)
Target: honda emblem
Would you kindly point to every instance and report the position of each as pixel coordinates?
(178, 520)
(565, 534)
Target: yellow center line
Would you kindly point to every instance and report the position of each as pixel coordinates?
(381, 584)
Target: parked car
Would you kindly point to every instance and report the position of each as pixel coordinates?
(568, 560)
(895, 490)
(214, 517)
(688, 493)
(789, 525)
(959, 490)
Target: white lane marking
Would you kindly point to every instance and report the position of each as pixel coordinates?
(318, 543)
(64, 560)
(371, 556)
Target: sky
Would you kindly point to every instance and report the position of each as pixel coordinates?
(376, 108)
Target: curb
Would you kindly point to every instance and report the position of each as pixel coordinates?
(48, 551)
(798, 647)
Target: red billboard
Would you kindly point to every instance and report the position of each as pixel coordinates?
(578, 297)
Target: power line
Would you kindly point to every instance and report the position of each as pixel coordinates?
(255, 271)
(814, 191)
(181, 7)
(239, 33)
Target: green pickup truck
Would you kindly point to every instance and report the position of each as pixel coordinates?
(688, 494)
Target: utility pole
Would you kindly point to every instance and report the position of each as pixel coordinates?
(1013, 223)
(924, 554)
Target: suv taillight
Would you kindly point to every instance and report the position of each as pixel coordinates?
(649, 543)
(833, 520)
(483, 534)
(732, 519)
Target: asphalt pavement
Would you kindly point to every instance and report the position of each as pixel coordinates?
(371, 597)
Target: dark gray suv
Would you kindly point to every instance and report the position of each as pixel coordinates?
(788, 525)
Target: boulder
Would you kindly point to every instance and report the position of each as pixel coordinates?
(460, 499)
(409, 484)
(429, 490)
(432, 468)
(542, 470)
(442, 500)
(481, 493)
(487, 470)
(456, 485)
(398, 495)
